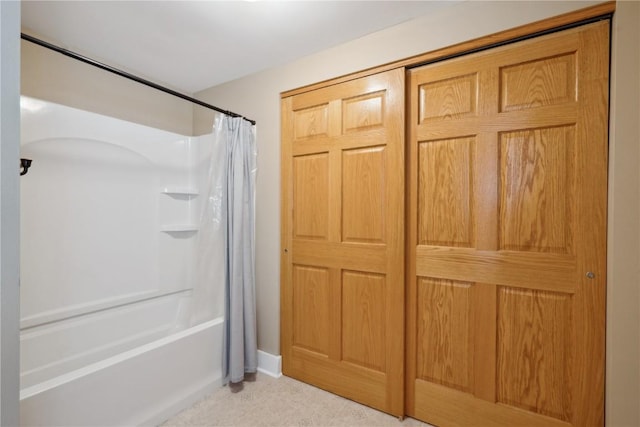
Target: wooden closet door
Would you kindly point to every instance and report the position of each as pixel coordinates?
(342, 239)
(507, 234)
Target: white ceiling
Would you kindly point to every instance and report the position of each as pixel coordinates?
(193, 45)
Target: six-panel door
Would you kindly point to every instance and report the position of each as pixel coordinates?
(507, 234)
(343, 239)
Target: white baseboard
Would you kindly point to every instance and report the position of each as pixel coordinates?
(269, 364)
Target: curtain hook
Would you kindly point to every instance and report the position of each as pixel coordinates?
(25, 164)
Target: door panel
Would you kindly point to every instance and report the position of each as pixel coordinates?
(311, 189)
(445, 327)
(363, 319)
(536, 189)
(507, 201)
(535, 324)
(446, 192)
(363, 185)
(311, 308)
(343, 239)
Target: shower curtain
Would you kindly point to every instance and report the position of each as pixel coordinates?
(240, 341)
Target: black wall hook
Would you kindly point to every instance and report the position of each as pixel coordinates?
(25, 164)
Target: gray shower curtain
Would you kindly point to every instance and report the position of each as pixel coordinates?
(240, 342)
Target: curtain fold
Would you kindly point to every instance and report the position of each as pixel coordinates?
(240, 340)
(210, 256)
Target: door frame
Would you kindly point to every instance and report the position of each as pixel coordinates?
(533, 29)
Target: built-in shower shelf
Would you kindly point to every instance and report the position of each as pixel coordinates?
(179, 228)
(181, 191)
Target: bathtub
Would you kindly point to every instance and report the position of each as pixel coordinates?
(121, 273)
(142, 386)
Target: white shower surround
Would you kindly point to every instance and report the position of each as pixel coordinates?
(116, 328)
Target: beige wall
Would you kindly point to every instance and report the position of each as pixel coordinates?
(51, 76)
(623, 292)
(257, 96)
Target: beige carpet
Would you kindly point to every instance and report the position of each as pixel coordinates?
(282, 402)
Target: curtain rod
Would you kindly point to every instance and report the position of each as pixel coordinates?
(128, 75)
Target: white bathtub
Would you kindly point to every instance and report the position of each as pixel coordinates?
(142, 386)
(121, 271)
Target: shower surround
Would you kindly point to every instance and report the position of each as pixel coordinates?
(121, 322)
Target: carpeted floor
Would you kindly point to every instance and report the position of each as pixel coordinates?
(282, 402)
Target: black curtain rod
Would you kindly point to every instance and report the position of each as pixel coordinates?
(127, 75)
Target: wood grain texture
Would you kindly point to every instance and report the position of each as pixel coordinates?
(542, 117)
(311, 122)
(335, 195)
(536, 83)
(445, 192)
(484, 336)
(286, 233)
(536, 189)
(367, 138)
(589, 308)
(311, 308)
(366, 386)
(363, 317)
(485, 192)
(534, 351)
(363, 251)
(364, 195)
(363, 112)
(446, 99)
(445, 406)
(311, 196)
(355, 256)
(540, 271)
(445, 353)
(539, 204)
